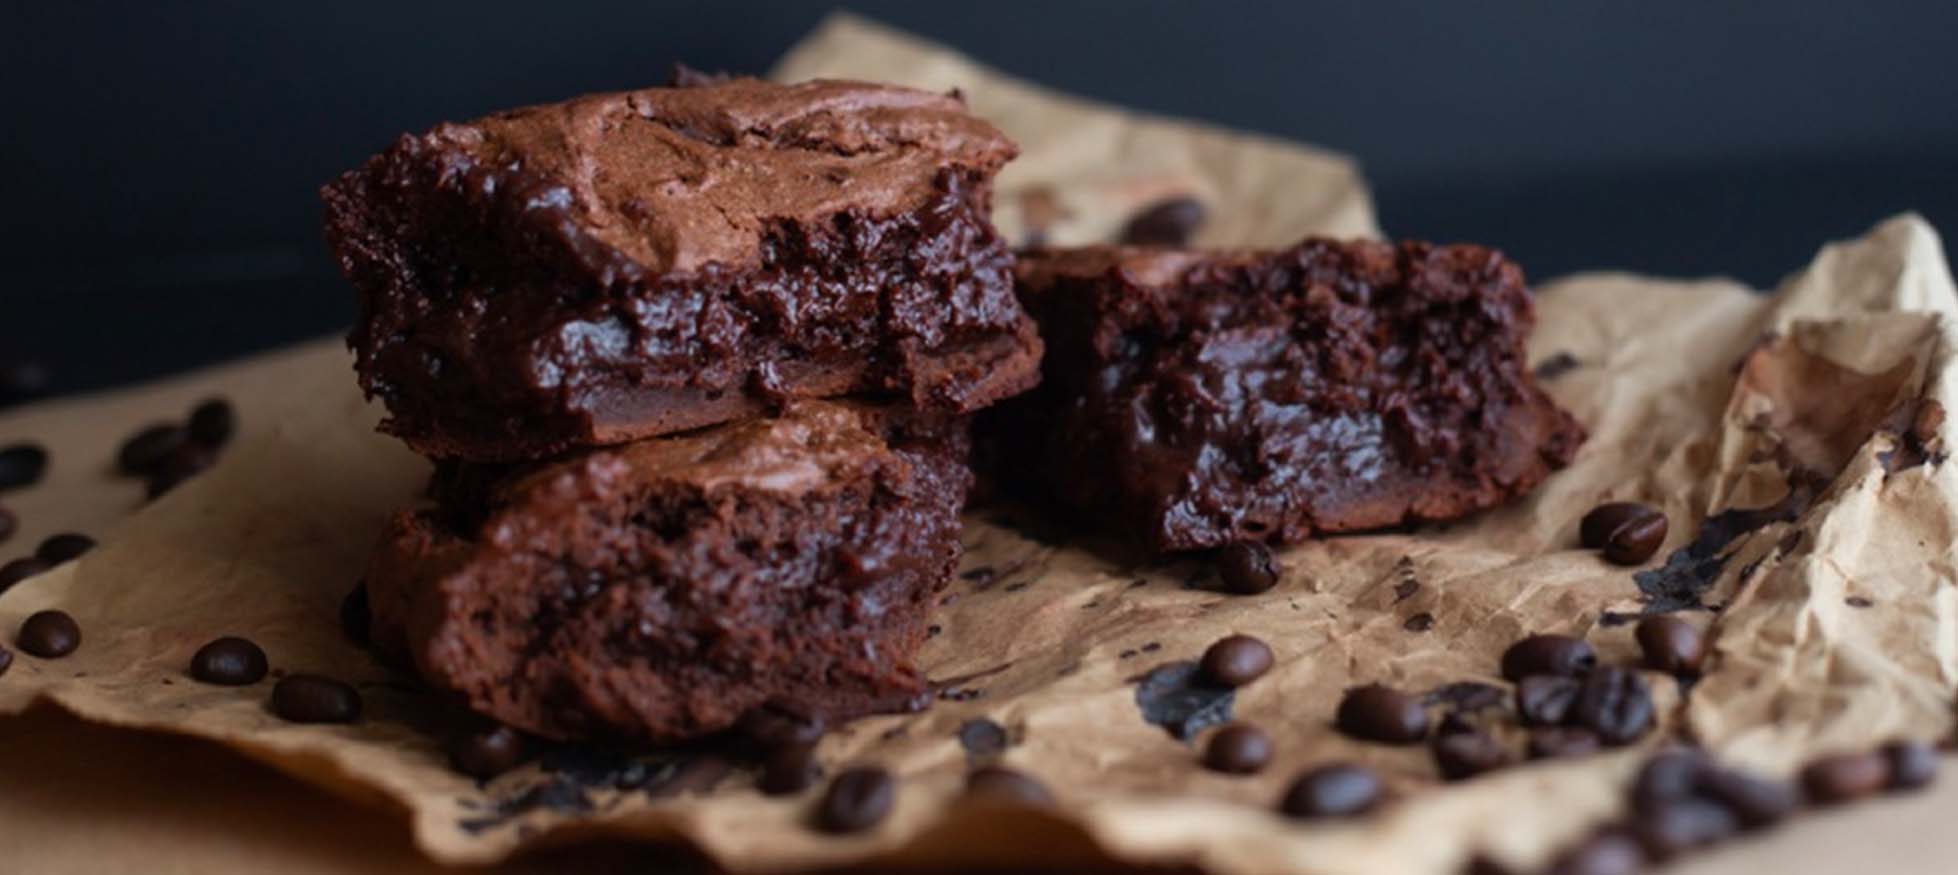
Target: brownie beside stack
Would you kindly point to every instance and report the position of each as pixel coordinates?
(611, 322)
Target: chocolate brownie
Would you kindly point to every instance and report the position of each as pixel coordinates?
(1193, 399)
(656, 590)
(648, 262)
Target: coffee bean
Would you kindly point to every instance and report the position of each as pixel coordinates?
(790, 769)
(856, 800)
(21, 569)
(1167, 222)
(9, 523)
(1545, 699)
(1377, 713)
(1669, 775)
(1236, 660)
(1756, 802)
(144, 451)
(49, 635)
(1913, 764)
(1627, 532)
(22, 465)
(212, 422)
(1671, 645)
(22, 381)
(777, 724)
(1464, 755)
(1247, 568)
(1845, 777)
(63, 547)
(1558, 742)
(1004, 785)
(489, 751)
(1615, 703)
(1548, 654)
(308, 698)
(1681, 825)
(1338, 790)
(1607, 853)
(187, 461)
(6, 660)
(230, 662)
(355, 616)
(1238, 749)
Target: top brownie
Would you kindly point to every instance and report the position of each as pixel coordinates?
(632, 264)
(1192, 399)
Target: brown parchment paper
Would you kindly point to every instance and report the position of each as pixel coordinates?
(1794, 440)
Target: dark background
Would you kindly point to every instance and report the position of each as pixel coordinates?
(161, 159)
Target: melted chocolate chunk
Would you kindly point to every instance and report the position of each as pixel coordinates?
(1178, 698)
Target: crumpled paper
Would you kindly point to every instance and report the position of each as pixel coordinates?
(1795, 441)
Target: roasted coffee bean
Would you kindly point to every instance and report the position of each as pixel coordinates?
(355, 616)
(212, 422)
(1615, 703)
(1238, 749)
(1464, 755)
(21, 569)
(1548, 654)
(1546, 699)
(790, 769)
(489, 751)
(22, 465)
(1607, 853)
(1681, 825)
(1845, 777)
(778, 724)
(309, 698)
(145, 450)
(1247, 568)
(1001, 784)
(1671, 774)
(9, 523)
(1628, 533)
(230, 662)
(1338, 790)
(1377, 713)
(63, 547)
(1167, 222)
(1558, 742)
(185, 462)
(1671, 645)
(858, 799)
(1236, 660)
(1756, 802)
(1913, 764)
(49, 635)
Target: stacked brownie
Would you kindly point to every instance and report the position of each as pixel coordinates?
(694, 364)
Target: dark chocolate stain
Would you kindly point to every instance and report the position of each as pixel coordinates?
(1557, 365)
(982, 575)
(1152, 647)
(1468, 696)
(1857, 601)
(695, 774)
(1405, 590)
(1690, 571)
(1176, 698)
(1420, 622)
(1126, 654)
(982, 739)
(558, 794)
(1016, 586)
(933, 630)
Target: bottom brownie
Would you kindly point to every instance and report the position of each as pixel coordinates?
(657, 590)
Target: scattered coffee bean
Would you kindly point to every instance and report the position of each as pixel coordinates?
(789, 770)
(22, 465)
(6, 660)
(489, 751)
(1558, 742)
(1548, 654)
(309, 698)
(1339, 790)
(354, 614)
(1377, 713)
(1669, 775)
(1607, 853)
(1845, 777)
(778, 724)
(63, 547)
(1756, 802)
(187, 461)
(212, 422)
(144, 451)
(1001, 784)
(856, 800)
(1546, 699)
(9, 523)
(1236, 660)
(230, 662)
(1615, 703)
(1247, 568)
(1628, 533)
(1238, 749)
(1168, 222)
(1913, 764)
(1671, 645)
(49, 635)
(1464, 755)
(1682, 825)
(21, 569)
